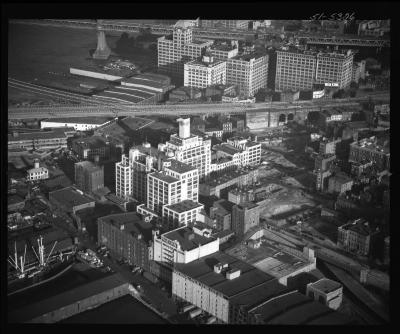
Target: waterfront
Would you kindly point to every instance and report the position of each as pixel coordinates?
(124, 310)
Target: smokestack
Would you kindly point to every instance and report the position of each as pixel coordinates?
(184, 127)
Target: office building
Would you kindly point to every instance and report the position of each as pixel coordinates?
(244, 217)
(190, 149)
(89, 177)
(248, 72)
(303, 69)
(128, 236)
(123, 178)
(221, 212)
(204, 73)
(175, 50)
(356, 236)
(37, 172)
(327, 292)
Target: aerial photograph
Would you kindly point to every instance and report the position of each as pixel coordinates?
(199, 171)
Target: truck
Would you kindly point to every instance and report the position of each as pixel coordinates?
(187, 308)
(195, 313)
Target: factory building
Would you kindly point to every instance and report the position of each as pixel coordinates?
(303, 69)
(181, 214)
(127, 235)
(204, 73)
(248, 72)
(244, 217)
(40, 140)
(175, 50)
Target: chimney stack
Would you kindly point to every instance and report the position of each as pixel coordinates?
(184, 127)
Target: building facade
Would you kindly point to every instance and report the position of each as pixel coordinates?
(248, 72)
(37, 172)
(204, 73)
(89, 177)
(244, 217)
(174, 52)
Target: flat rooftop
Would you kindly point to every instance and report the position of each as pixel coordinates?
(326, 285)
(55, 133)
(132, 222)
(184, 206)
(268, 258)
(91, 142)
(228, 176)
(251, 287)
(180, 167)
(70, 197)
(80, 120)
(227, 148)
(164, 178)
(295, 308)
(187, 243)
(205, 64)
(66, 298)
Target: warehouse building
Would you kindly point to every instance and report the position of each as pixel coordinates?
(127, 235)
(78, 123)
(40, 140)
(70, 200)
(327, 292)
(69, 303)
(204, 73)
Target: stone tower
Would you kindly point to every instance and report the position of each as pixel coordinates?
(102, 51)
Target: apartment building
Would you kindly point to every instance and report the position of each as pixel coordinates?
(175, 50)
(190, 149)
(356, 236)
(204, 73)
(327, 292)
(248, 72)
(302, 69)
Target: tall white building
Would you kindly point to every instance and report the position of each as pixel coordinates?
(190, 149)
(303, 69)
(176, 183)
(248, 72)
(123, 178)
(204, 73)
(174, 52)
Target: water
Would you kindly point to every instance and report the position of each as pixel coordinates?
(124, 310)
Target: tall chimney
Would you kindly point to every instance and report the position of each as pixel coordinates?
(184, 127)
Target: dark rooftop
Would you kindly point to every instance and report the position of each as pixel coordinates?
(326, 285)
(132, 222)
(184, 206)
(180, 167)
(92, 142)
(55, 133)
(69, 196)
(69, 297)
(182, 234)
(164, 178)
(360, 226)
(80, 120)
(251, 285)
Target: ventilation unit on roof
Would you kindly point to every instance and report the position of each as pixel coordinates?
(232, 274)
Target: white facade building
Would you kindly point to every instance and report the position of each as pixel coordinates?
(37, 173)
(183, 245)
(189, 149)
(78, 123)
(205, 73)
(123, 178)
(248, 72)
(173, 53)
